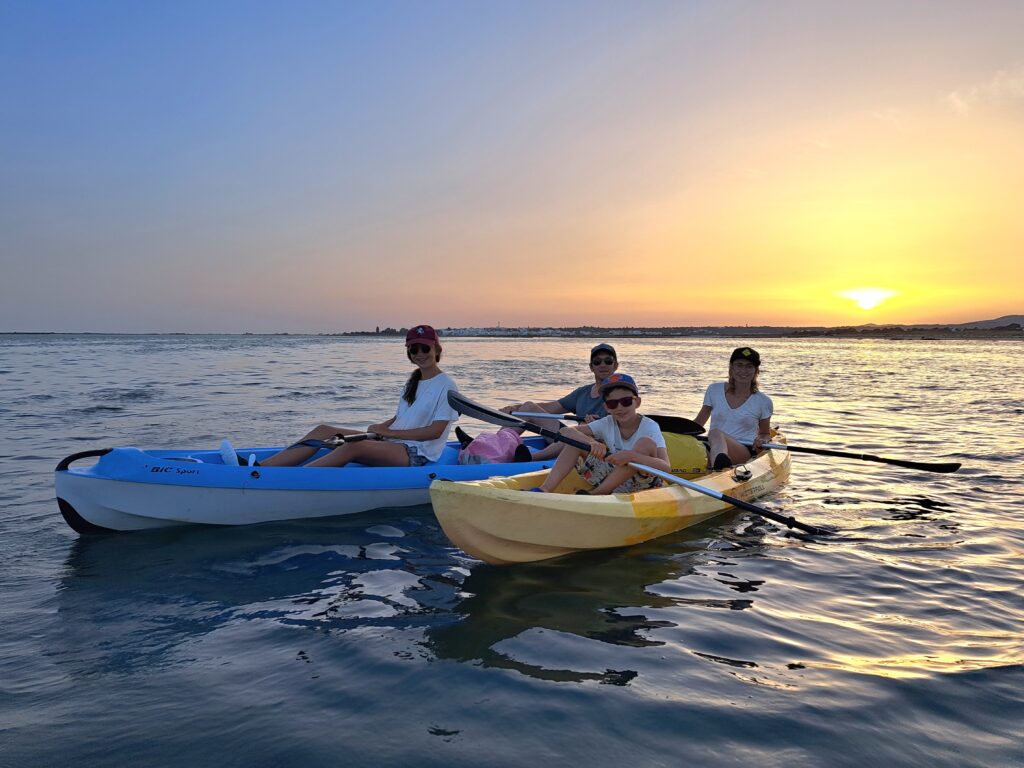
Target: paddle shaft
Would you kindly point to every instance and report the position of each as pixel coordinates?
(787, 521)
(674, 424)
(925, 466)
(566, 416)
(337, 440)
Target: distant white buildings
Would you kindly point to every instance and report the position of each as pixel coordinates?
(528, 331)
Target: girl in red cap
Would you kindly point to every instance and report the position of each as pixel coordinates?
(740, 413)
(415, 435)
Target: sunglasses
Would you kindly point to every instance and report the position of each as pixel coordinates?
(618, 402)
(602, 361)
(417, 349)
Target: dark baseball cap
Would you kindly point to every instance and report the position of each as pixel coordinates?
(746, 353)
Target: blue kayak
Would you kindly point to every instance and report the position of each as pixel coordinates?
(129, 489)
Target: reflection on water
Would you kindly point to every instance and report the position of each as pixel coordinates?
(606, 597)
(597, 596)
(129, 601)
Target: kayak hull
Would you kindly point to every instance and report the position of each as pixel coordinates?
(496, 521)
(129, 489)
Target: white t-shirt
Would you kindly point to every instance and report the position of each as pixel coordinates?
(739, 423)
(607, 431)
(430, 405)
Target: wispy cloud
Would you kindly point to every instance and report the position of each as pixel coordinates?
(896, 118)
(1005, 87)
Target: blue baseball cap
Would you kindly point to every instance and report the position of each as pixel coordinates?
(619, 380)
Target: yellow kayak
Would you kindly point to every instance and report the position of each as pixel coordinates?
(499, 522)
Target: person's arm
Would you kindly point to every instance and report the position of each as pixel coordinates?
(432, 431)
(710, 395)
(764, 433)
(384, 426)
(764, 427)
(644, 452)
(553, 406)
(703, 415)
(550, 407)
(585, 434)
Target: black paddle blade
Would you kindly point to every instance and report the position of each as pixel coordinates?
(924, 466)
(677, 425)
(467, 407)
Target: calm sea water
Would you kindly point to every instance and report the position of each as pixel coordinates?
(371, 640)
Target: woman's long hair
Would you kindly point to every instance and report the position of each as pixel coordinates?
(731, 386)
(409, 395)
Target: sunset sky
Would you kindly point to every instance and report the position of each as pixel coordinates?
(269, 166)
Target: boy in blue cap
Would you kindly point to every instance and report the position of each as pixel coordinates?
(621, 437)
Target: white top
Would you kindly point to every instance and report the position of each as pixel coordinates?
(430, 405)
(739, 423)
(607, 431)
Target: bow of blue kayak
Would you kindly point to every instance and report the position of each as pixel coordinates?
(129, 489)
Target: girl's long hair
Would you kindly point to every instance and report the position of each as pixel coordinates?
(409, 395)
(731, 386)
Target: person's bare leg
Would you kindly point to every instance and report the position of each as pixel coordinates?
(617, 477)
(547, 452)
(291, 457)
(565, 464)
(372, 454)
(721, 443)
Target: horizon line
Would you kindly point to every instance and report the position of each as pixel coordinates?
(515, 330)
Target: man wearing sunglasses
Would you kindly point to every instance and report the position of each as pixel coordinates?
(585, 401)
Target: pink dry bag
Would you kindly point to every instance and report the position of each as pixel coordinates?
(497, 448)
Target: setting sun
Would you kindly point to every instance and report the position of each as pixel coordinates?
(868, 298)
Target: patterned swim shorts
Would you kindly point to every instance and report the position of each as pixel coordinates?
(594, 471)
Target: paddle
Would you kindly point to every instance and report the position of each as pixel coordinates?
(467, 407)
(677, 425)
(926, 466)
(336, 441)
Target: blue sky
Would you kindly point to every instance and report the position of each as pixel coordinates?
(316, 167)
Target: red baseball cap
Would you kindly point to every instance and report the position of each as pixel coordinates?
(421, 334)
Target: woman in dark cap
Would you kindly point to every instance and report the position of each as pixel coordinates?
(740, 413)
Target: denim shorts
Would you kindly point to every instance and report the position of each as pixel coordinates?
(416, 459)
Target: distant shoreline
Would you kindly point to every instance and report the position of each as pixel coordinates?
(885, 333)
